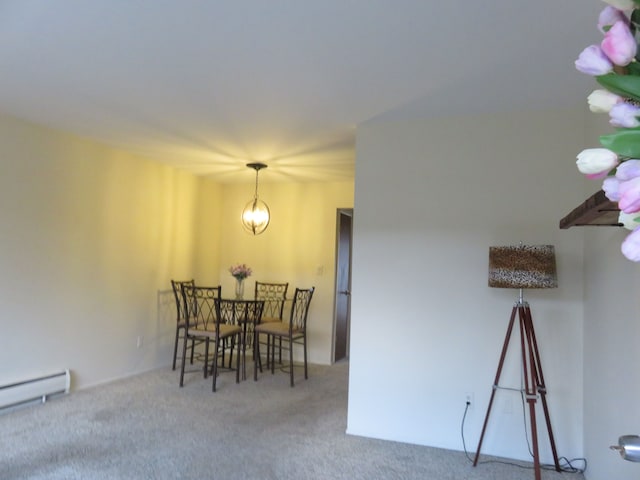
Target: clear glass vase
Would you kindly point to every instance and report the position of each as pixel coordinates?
(239, 288)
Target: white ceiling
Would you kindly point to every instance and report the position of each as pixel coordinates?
(211, 85)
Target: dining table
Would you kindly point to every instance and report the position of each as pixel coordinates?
(246, 313)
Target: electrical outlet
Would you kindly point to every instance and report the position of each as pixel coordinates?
(469, 399)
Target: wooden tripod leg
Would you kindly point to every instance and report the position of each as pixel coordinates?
(530, 383)
(534, 437)
(539, 380)
(496, 381)
(533, 383)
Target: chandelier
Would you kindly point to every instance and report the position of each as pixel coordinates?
(256, 216)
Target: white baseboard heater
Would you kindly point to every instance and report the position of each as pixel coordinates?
(35, 388)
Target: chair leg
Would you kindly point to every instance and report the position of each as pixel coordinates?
(215, 365)
(242, 351)
(256, 357)
(184, 358)
(304, 346)
(290, 358)
(206, 357)
(271, 339)
(268, 357)
(232, 342)
(175, 348)
(256, 350)
(244, 366)
(193, 349)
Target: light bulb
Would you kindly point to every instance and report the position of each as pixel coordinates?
(255, 216)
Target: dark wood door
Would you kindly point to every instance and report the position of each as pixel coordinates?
(343, 284)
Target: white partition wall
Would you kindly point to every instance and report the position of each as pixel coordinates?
(431, 197)
(611, 338)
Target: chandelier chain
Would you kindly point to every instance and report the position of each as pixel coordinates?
(255, 194)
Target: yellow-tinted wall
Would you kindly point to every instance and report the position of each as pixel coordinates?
(90, 238)
(298, 246)
(89, 235)
(207, 212)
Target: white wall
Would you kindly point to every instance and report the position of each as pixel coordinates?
(612, 334)
(431, 197)
(89, 235)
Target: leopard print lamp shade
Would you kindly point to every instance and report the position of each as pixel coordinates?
(522, 266)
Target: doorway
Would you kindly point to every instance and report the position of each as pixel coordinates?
(342, 314)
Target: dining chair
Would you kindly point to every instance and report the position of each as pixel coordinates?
(205, 323)
(181, 314)
(291, 332)
(274, 296)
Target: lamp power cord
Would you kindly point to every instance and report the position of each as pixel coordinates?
(566, 465)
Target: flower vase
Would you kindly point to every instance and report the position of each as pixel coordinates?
(239, 288)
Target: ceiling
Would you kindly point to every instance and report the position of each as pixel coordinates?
(211, 85)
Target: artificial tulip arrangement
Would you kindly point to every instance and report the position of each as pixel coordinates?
(615, 66)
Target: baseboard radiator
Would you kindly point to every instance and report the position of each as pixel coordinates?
(35, 388)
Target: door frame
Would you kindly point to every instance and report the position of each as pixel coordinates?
(341, 213)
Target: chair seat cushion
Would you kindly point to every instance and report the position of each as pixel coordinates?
(270, 319)
(275, 328)
(225, 331)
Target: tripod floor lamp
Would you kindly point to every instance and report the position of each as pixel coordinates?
(524, 266)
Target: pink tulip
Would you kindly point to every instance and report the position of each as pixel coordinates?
(598, 176)
(630, 195)
(628, 169)
(593, 61)
(618, 43)
(611, 188)
(624, 115)
(631, 246)
(609, 16)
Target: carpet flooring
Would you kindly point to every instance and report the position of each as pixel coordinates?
(146, 427)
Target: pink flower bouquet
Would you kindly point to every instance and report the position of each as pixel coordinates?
(240, 271)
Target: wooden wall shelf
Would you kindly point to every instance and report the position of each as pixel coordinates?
(595, 211)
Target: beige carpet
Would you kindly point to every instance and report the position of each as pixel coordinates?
(146, 427)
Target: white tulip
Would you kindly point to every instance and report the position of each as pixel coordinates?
(596, 160)
(602, 101)
(629, 220)
(622, 4)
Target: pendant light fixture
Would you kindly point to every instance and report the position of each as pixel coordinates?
(256, 216)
